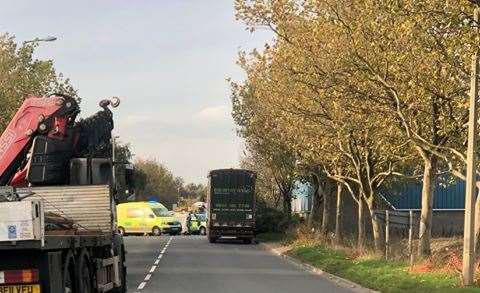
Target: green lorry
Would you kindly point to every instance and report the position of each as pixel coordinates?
(231, 204)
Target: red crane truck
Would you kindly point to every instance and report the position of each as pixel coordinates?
(57, 204)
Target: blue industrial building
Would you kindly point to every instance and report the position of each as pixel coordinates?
(302, 197)
(449, 195)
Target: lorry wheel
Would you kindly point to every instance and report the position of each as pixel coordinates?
(123, 274)
(247, 240)
(69, 274)
(84, 273)
(121, 231)
(119, 250)
(156, 231)
(203, 231)
(212, 239)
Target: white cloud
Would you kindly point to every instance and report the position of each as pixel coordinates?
(137, 119)
(214, 114)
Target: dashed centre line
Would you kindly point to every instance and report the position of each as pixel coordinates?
(154, 267)
(142, 285)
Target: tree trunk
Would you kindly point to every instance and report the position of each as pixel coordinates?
(315, 210)
(477, 221)
(326, 214)
(287, 204)
(338, 215)
(376, 227)
(361, 225)
(428, 188)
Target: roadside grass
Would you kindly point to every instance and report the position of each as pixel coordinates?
(378, 274)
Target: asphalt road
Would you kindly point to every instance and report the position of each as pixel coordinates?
(191, 264)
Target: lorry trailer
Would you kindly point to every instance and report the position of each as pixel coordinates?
(231, 204)
(86, 256)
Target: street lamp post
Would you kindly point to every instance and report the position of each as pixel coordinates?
(469, 225)
(37, 40)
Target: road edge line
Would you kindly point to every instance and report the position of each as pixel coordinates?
(341, 282)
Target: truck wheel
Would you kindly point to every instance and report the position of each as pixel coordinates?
(123, 274)
(247, 240)
(203, 231)
(212, 239)
(69, 274)
(84, 273)
(119, 250)
(121, 231)
(156, 231)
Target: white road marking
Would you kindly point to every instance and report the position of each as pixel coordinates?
(142, 285)
(154, 267)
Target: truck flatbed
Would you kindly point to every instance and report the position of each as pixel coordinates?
(56, 242)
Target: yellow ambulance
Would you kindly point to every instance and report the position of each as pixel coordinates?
(146, 218)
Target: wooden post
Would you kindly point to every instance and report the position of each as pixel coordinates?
(387, 233)
(469, 225)
(410, 237)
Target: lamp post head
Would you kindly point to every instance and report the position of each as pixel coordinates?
(46, 39)
(49, 39)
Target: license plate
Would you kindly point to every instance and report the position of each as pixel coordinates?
(20, 289)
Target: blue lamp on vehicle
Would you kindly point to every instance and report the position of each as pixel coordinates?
(152, 199)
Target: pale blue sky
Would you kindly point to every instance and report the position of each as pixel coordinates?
(167, 59)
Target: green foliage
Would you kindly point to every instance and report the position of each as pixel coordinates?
(378, 274)
(152, 179)
(22, 75)
(194, 191)
(123, 156)
(362, 90)
(271, 220)
(272, 237)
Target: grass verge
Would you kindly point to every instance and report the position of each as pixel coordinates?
(378, 274)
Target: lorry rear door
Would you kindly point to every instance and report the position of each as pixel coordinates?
(232, 198)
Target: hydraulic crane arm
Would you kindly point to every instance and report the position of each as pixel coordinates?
(50, 116)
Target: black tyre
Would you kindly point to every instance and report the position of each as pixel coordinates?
(212, 239)
(247, 240)
(203, 231)
(69, 274)
(121, 231)
(84, 273)
(156, 231)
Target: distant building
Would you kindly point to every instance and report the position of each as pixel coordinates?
(448, 203)
(302, 198)
(449, 195)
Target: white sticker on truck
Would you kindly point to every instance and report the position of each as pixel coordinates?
(19, 230)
